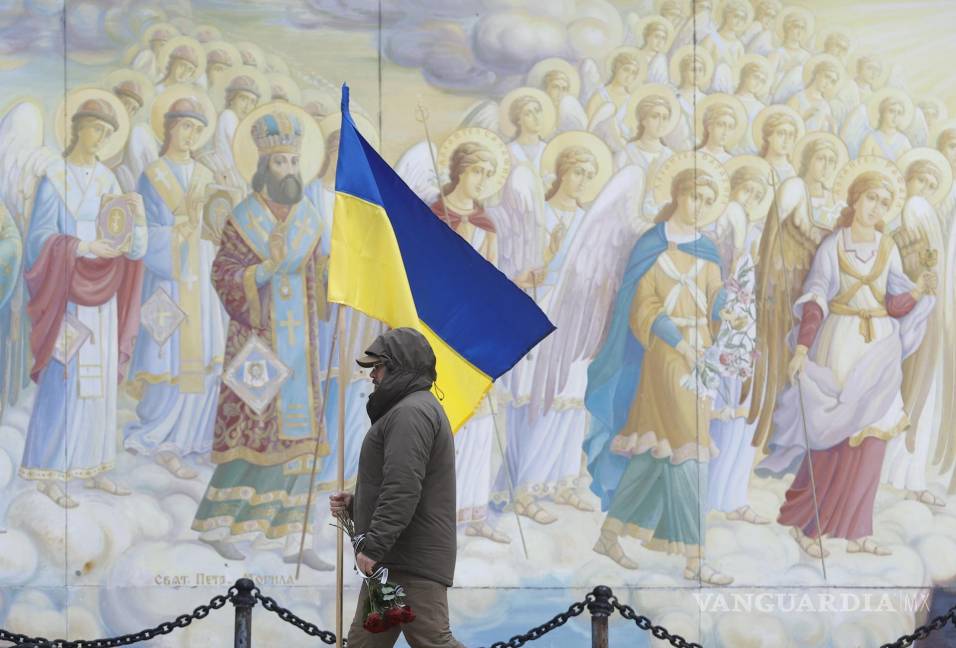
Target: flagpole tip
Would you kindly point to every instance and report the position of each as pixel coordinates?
(345, 97)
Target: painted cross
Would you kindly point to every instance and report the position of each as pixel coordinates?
(300, 230)
(289, 324)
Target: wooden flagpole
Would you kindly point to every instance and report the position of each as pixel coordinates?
(345, 375)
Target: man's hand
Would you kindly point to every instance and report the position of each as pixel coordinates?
(365, 564)
(340, 502)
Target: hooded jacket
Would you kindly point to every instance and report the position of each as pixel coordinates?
(405, 488)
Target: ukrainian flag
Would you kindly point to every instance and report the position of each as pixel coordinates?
(395, 261)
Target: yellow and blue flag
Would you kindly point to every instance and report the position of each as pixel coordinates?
(395, 261)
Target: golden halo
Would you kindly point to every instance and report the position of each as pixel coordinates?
(702, 54)
(757, 129)
(668, 27)
(333, 123)
(843, 155)
(117, 77)
(182, 41)
(938, 160)
(719, 8)
(815, 60)
(540, 70)
(287, 86)
(865, 163)
(633, 51)
(786, 13)
(884, 68)
(742, 120)
(941, 126)
(759, 211)
(255, 51)
(485, 138)
(312, 149)
(179, 91)
(826, 32)
(747, 59)
(704, 163)
(548, 113)
(277, 64)
(229, 48)
(152, 29)
(873, 107)
(605, 161)
(218, 91)
(207, 33)
(647, 90)
(63, 120)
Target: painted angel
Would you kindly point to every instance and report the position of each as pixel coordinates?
(561, 82)
(877, 127)
(921, 241)
(859, 316)
(648, 435)
(803, 212)
(724, 43)
(546, 418)
(759, 38)
(813, 103)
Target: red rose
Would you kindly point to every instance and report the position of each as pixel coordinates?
(394, 616)
(375, 622)
(407, 615)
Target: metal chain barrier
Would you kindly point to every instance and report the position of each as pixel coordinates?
(644, 623)
(601, 603)
(164, 628)
(576, 609)
(310, 629)
(924, 630)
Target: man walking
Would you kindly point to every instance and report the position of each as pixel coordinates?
(404, 501)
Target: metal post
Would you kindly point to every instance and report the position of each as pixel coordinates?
(600, 609)
(244, 602)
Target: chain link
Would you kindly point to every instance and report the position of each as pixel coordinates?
(576, 609)
(644, 623)
(924, 630)
(164, 628)
(308, 628)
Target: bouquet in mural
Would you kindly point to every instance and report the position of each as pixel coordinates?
(386, 605)
(734, 350)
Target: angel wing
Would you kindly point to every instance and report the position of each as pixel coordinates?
(604, 124)
(855, 129)
(483, 114)
(142, 149)
(518, 218)
(918, 131)
(588, 282)
(590, 79)
(789, 85)
(919, 231)
(416, 168)
(24, 160)
(571, 115)
(786, 251)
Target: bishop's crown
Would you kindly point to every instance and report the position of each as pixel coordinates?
(277, 132)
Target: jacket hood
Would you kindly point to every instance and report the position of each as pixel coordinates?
(409, 367)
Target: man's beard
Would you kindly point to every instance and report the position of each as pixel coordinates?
(286, 190)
